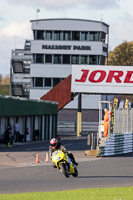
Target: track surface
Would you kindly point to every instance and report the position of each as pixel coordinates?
(33, 177)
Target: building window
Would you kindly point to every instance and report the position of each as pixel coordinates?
(34, 34)
(48, 58)
(84, 35)
(57, 35)
(39, 58)
(38, 82)
(102, 60)
(75, 59)
(33, 82)
(34, 58)
(40, 35)
(48, 35)
(103, 37)
(66, 35)
(45, 82)
(84, 59)
(56, 81)
(57, 59)
(48, 82)
(93, 36)
(105, 49)
(92, 60)
(75, 35)
(66, 59)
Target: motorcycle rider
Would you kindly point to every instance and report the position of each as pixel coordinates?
(8, 138)
(55, 145)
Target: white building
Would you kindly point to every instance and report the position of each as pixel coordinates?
(59, 43)
(56, 45)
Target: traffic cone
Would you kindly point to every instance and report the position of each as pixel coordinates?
(47, 158)
(37, 159)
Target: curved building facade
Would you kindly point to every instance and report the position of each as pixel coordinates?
(57, 45)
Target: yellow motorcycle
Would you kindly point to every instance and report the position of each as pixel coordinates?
(64, 163)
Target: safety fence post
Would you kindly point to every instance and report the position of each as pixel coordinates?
(91, 140)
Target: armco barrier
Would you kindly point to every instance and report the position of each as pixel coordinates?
(117, 144)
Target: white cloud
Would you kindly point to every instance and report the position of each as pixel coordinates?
(121, 30)
(16, 29)
(57, 4)
(15, 16)
(6, 44)
(12, 36)
(1, 19)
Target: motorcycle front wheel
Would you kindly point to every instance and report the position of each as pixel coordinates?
(75, 174)
(64, 169)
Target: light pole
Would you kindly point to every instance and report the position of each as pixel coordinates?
(37, 11)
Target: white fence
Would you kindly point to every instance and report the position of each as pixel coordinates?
(121, 141)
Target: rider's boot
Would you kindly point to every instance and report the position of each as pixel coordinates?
(75, 163)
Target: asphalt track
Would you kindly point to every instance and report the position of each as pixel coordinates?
(39, 177)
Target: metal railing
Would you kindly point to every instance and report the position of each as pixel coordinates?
(71, 127)
(121, 141)
(123, 121)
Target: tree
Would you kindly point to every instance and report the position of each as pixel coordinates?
(6, 80)
(0, 79)
(122, 55)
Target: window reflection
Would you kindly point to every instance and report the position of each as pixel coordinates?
(57, 35)
(84, 59)
(84, 35)
(75, 59)
(93, 36)
(48, 35)
(66, 35)
(92, 59)
(57, 59)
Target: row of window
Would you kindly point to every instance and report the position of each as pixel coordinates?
(45, 82)
(69, 35)
(67, 59)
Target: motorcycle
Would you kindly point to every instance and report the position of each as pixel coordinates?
(64, 163)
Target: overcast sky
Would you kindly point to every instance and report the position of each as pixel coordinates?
(15, 16)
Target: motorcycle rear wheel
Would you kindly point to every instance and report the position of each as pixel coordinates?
(75, 174)
(64, 169)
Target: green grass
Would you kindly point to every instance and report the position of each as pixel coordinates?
(121, 193)
(4, 89)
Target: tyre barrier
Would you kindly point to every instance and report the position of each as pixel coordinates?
(117, 144)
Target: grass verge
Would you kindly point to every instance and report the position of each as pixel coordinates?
(4, 89)
(121, 193)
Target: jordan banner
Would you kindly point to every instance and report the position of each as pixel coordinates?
(101, 79)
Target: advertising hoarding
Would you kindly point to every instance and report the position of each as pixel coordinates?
(102, 79)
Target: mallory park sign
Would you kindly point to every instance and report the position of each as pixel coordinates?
(66, 47)
(101, 79)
